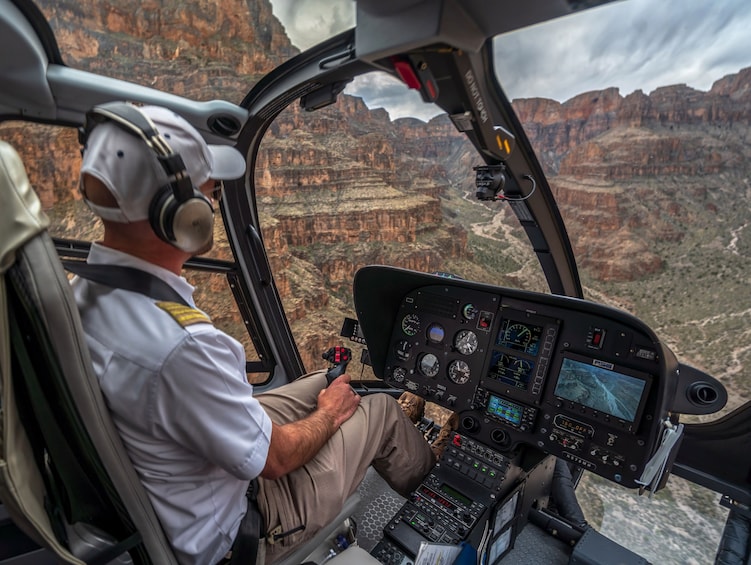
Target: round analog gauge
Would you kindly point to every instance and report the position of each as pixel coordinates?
(518, 334)
(403, 350)
(411, 324)
(465, 342)
(459, 371)
(436, 333)
(398, 374)
(469, 311)
(429, 365)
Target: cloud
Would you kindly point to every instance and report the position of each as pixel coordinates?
(631, 44)
(635, 44)
(309, 22)
(381, 90)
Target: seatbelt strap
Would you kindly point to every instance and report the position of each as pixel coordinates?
(126, 278)
(110, 554)
(245, 548)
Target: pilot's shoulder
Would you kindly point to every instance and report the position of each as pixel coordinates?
(184, 315)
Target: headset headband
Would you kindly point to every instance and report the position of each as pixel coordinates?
(129, 118)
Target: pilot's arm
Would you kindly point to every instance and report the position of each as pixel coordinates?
(294, 444)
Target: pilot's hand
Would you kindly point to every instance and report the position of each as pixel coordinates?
(339, 400)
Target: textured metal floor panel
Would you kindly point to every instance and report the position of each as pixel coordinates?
(534, 546)
(379, 504)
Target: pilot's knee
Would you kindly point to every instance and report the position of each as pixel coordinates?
(384, 407)
(315, 380)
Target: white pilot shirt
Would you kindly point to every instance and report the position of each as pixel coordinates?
(181, 402)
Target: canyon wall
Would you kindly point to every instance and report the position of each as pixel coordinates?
(345, 186)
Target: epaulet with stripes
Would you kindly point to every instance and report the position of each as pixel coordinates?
(184, 315)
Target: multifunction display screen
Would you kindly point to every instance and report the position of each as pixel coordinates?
(520, 336)
(510, 369)
(505, 410)
(600, 388)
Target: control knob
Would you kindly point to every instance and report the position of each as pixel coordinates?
(470, 424)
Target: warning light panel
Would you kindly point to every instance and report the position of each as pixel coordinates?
(595, 338)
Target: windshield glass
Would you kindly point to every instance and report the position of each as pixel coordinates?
(652, 180)
(346, 187)
(201, 50)
(639, 114)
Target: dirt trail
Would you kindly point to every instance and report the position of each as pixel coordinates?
(503, 224)
(733, 245)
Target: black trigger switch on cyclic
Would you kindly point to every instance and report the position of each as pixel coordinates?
(339, 357)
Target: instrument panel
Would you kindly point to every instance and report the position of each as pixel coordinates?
(575, 379)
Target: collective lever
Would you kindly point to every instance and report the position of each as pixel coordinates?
(339, 357)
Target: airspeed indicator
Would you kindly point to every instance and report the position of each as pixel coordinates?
(411, 324)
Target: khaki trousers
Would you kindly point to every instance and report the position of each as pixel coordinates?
(378, 433)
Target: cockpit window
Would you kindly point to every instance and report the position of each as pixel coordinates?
(651, 181)
(205, 51)
(345, 187)
(634, 111)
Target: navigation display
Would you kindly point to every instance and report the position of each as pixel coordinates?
(520, 336)
(600, 388)
(505, 410)
(510, 369)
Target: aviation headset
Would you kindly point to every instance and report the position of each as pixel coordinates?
(179, 213)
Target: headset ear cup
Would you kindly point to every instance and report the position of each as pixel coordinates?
(193, 224)
(159, 211)
(189, 225)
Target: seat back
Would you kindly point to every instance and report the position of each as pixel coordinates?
(62, 463)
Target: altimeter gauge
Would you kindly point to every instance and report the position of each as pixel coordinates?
(466, 342)
(459, 371)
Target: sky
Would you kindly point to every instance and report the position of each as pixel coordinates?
(631, 44)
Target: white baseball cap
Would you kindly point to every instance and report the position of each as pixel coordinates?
(132, 173)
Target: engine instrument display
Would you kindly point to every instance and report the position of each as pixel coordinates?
(510, 369)
(519, 336)
(597, 385)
